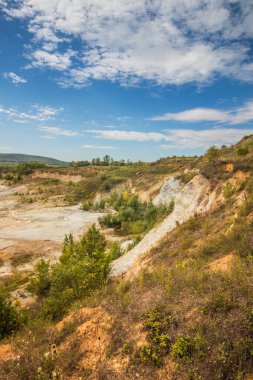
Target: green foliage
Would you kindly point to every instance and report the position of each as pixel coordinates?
(10, 318)
(228, 190)
(86, 205)
(105, 161)
(182, 348)
(133, 216)
(158, 324)
(83, 267)
(213, 153)
(115, 250)
(185, 347)
(28, 167)
(242, 151)
(41, 281)
(187, 177)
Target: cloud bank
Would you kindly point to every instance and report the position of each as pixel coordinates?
(166, 42)
(238, 115)
(179, 138)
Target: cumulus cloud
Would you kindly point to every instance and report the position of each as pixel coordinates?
(238, 115)
(36, 113)
(179, 138)
(99, 147)
(58, 131)
(57, 61)
(167, 42)
(16, 79)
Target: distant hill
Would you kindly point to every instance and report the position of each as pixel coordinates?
(16, 158)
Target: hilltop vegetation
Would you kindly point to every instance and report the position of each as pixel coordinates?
(15, 158)
(187, 314)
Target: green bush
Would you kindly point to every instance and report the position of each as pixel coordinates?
(213, 153)
(242, 151)
(10, 318)
(115, 250)
(182, 348)
(83, 267)
(228, 190)
(133, 216)
(41, 281)
(157, 324)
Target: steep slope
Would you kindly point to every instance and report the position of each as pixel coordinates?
(193, 197)
(187, 314)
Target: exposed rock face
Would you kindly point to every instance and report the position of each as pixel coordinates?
(55, 175)
(194, 197)
(169, 191)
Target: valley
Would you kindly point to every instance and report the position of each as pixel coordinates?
(129, 269)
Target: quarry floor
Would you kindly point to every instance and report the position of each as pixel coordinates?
(31, 231)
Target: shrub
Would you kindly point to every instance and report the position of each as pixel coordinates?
(242, 151)
(158, 324)
(83, 267)
(182, 348)
(228, 190)
(86, 205)
(10, 318)
(213, 153)
(186, 346)
(133, 216)
(41, 282)
(115, 250)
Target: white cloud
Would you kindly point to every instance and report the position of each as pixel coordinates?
(99, 147)
(36, 113)
(238, 115)
(202, 139)
(128, 135)
(179, 138)
(58, 131)
(16, 79)
(168, 42)
(57, 61)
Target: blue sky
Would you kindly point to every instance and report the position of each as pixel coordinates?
(137, 79)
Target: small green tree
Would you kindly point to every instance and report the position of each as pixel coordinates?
(213, 153)
(41, 282)
(84, 266)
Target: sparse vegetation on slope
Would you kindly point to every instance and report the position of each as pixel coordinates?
(188, 314)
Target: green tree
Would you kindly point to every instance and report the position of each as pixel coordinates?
(83, 266)
(213, 153)
(41, 282)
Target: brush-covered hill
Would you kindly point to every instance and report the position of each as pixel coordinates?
(16, 158)
(183, 311)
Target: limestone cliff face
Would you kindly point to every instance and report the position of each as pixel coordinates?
(193, 197)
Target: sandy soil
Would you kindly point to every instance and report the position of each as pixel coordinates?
(35, 229)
